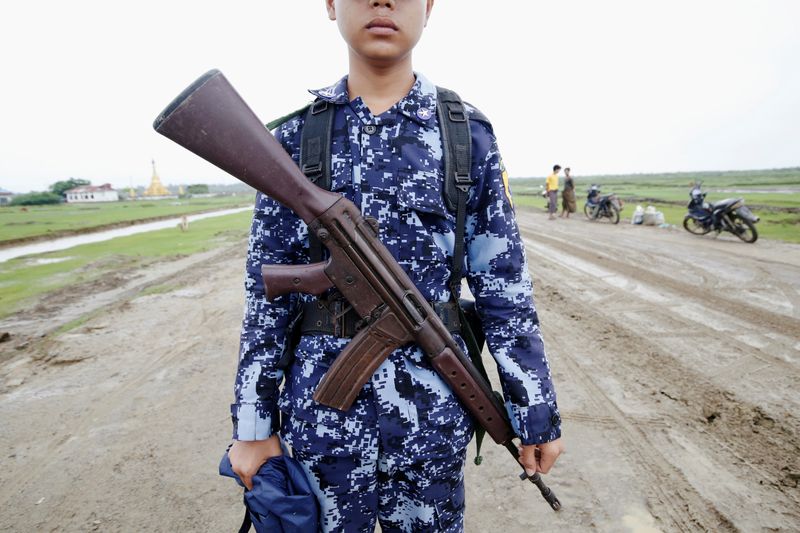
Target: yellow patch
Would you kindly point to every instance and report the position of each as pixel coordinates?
(505, 186)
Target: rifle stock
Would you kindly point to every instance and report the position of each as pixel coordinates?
(210, 119)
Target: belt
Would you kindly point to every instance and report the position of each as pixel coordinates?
(336, 317)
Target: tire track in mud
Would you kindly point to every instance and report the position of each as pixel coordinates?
(694, 406)
(676, 498)
(770, 356)
(786, 327)
(777, 322)
(102, 409)
(659, 376)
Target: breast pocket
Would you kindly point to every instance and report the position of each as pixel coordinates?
(425, 225)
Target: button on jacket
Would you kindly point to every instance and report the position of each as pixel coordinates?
(390, 166)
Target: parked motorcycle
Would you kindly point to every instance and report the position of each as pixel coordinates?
(726, 215)
(599, 206)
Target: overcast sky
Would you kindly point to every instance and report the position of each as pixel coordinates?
(613, 86)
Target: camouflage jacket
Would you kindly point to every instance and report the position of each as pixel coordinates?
(393, 172)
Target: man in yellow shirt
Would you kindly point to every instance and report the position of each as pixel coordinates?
(552, 191)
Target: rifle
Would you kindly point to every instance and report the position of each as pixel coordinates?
(210, 119)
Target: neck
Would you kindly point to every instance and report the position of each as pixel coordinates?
(380, 86)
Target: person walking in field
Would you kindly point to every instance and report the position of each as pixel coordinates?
(568, 203)
(397, 455)
(551, 188)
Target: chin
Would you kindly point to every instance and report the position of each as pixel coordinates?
(384, 53)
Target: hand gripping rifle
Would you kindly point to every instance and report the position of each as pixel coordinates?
(210, 119)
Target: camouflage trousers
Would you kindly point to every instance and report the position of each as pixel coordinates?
(355, 491)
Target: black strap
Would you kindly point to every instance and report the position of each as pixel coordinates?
(473, 337)
(315, 156)
(457, 144)
(247, 522)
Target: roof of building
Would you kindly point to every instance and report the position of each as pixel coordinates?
(5, 191)
(90, 188)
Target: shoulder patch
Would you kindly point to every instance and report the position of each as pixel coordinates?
(504, 175)
(278, 121)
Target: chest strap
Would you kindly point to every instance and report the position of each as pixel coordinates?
(337, 318)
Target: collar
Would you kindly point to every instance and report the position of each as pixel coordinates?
(419, 104)
(335, 94)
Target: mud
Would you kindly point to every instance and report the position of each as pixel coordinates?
(675, 359)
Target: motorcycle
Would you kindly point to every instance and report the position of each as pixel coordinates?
(726, 215)
(599, 206)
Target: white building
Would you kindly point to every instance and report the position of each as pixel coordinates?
(5, 196)
(90, 193)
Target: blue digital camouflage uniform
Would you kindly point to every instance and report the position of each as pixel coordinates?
(398, 453)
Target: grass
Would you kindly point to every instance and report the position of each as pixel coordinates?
(25, 278)
(774, 195)
(75, 324)
(159, 289)
(53, 219)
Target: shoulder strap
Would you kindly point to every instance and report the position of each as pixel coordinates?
(315, 143)
(457, 144)
(315, 156)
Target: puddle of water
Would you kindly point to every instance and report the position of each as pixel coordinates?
(640, 521)
(68, 242)
(50, 260)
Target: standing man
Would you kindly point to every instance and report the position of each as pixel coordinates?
(568, 203)
(397, 455)
(552, 192)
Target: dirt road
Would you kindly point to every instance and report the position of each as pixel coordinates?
(676, 361)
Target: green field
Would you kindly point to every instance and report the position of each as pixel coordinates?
(24, 278)
(40, 221)
(774, 195)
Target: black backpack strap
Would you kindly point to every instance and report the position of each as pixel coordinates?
(315, 156)
(457, 144)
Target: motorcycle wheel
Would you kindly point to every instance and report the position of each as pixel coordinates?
(613, 214)
(588, 211)
(745, 230)
(692, 225)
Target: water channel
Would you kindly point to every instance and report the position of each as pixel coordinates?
(68, 242)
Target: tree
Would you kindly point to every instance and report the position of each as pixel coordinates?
(60, 187)
(36, 198)
(197, 189)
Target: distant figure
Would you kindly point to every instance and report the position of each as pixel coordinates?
(184, 225)
(552, 192)
(568, 195)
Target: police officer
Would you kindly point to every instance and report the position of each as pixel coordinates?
(397, 455)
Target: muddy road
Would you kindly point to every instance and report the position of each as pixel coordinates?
(676, 360)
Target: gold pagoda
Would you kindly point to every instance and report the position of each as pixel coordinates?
(156, 188)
